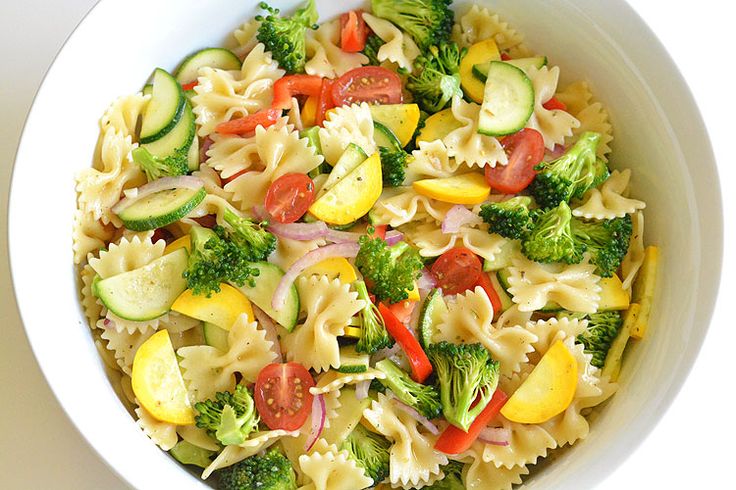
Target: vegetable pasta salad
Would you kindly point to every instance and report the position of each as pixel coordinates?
(385, 250)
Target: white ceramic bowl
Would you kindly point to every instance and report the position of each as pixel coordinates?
(659, 134)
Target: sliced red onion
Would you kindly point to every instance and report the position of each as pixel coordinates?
(319, 414)
(393, 237)
(298, 231)
(162, 184)
(361, 389)
(457, 217)
(204, 148)
(426, 280)
(310, 259)
(260, 213)
(269, 327)
(498, 436)
(557, 151)
(416, 415)
(387, 352)
(337, 236)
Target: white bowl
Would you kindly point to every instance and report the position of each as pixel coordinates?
(659, 134)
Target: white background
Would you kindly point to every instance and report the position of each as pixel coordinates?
(690, 448)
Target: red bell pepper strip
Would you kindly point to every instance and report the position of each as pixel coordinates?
(324, 102)
(247, 124)
(553, 104)
(189, 86)
(485, 282)
(421, 368)
(455, 441)
(353, 31)
(292, 85)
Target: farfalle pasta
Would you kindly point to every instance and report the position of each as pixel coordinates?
(397, 47)
(609, 201)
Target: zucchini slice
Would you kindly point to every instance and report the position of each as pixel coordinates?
(480, 71)
(215, 336)
(433, 309)
(193, 155)
(177, 142)
(145, 293)
(383, 136)
(161, 208)
(165, 108)
(508, 101)
(349, 161)
(147, 89)
(221, 58)
(269, 276)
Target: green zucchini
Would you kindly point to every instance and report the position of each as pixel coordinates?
(502, 259)
(508, 100)
(215, 336)
(480, 71)
(161, 208)
(350, 159)
(145, 293)
(384, 137)
(269, 276)
(164, 109)
(433, 309)
(193, 155)
(147, 89)
(506, 301)
(177, 142)
(221, 58)
(187, 453)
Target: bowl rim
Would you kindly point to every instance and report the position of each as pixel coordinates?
(711, 256)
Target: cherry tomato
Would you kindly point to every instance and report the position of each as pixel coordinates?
(282, 395)
(485, 282)
(289, 197)
(353, 31)
(372, 84)
(248, 124)
(324, 103)
(291, 85)
(379, 231)
(525, 150)
(553, 104)
(456, 270)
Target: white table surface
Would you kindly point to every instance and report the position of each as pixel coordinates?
(690, 448)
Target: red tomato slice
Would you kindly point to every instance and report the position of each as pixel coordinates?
(525, 150)
(403, 310)
(454, 441)
(291, 85)
(372, 84)
(353, 31)
(553, 104)
(289, 197)
(456, 270)
(485, 282)
(379, 231)
(324, 103)
(421, 368)
(248, 124)
(282, 395)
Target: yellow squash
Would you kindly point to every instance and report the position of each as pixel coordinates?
(181, 242)
(548, 390)
(459, 189)
(613, 295)
(612, 366)
(643, 290)
(221, 309)
(353, 196)
(157, 381)
(480, 52)
(438, 125)
(309, 112)
(401, 119)
(333, 267)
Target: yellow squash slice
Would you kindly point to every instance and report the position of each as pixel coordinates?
(480, 52)
(643, 290)
(458, 189)
(334, 267)
(221, 309)
(613, 295)
(181, 242)
(157, 381)
(438, 125)
(548, 390)
(401, 119)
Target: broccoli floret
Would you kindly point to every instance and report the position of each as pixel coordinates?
(155, 167)
(393, 166)
(511, 219)
(256, 243)
(599, 335)
(467, 375)
(428, 22)
(285, 37)
(372, 44)
(390, 270)
(453, 479)
(270, 471)
(213, 260)
(552, 239)
(230, 417)
(423, 398)
(370, 451)
(412, 145)
(606, 241)
(436, 79)
(373, 334)
(571, 175)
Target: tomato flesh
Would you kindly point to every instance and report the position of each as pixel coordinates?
(525, 150)
(289, 197)
(456, 270)
(353, 31)
(372, 84)
(282, 395)
(248, 124)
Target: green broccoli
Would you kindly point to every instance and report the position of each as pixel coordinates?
(393, 166)
(428, 22)
(468, 377)
(230, 417)
(213, 260)
(270, 471)
(453, 479)
(372, 44)
(511, 218)
(552, 239)
(412, 145)
(606, 241)
(370, 451)
(436, 78)
(600, 333)
(373, 334)
(423, 398)
(285, 37)
(155, 167)
(256, 243)
(390, 270)
(571, 175)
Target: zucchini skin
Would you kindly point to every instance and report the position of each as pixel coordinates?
(159, 220)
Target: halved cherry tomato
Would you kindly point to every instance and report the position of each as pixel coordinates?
(454, 441)
(485, 282)
(421, 368)
(525, 150)
(353, 31)
(248, 124)
(553, 104)
(325, 102)
(379, 231)
(289, 197)
(292, 85)
(456, 270)
(403, 310)
(190, 85)
(372, 84)
(282, 395)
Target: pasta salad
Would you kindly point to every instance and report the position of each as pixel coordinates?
(385, 250)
